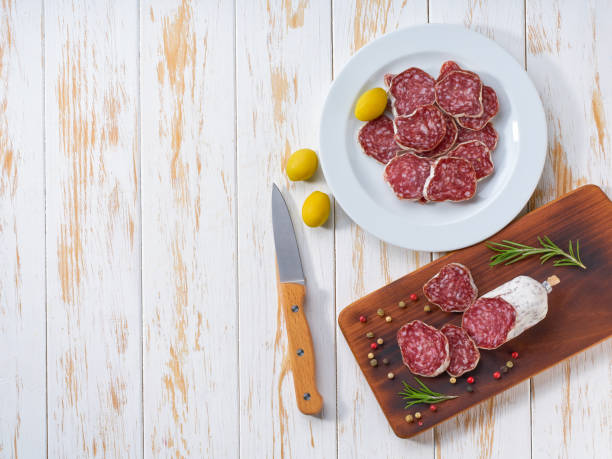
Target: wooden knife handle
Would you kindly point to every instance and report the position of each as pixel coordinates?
(291, 298)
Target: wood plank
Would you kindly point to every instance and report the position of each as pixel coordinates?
(93, 229)
(473, 432)
(362, 261)
(568, 328)
(189, 246)
(283, 70)
(568, 57)
(23, 422)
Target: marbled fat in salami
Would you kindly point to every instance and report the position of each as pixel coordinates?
(411, 89)
(448, 141)
(424, 349)
(451, 179)
(452, 289)
(464, 355)
(487, 135)
(459, 93)
(422, 130)
(488, 322)
(490, 107)
(406, 175)
(477, 154)
(446, 67)
(377, 138)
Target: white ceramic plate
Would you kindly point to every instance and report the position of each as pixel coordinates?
(356, 179)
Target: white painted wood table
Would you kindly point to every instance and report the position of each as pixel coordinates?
(138, 145)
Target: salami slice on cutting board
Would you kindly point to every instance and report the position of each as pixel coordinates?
(425, 349)
(411, 89)
(464, 355)
(452, 289)
(490, 107)
(487, 135)
(506, 312)
(423, 130)
(377, 138)
(477, 154)
(451, 179)
(406, 175)
(450, 137)
(459, 93)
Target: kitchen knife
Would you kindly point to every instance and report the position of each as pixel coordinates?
(291, 291)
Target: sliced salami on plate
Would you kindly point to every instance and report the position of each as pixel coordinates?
(477, 154)
(464, 355)
(447, 142)
(487, 135)
(446, 67)
(424, 349)
(490, 107)
(411, 89)
(452, 289)
(459, 93)
(451, 179)
(423, 130)
(406, 175)
(377, 138)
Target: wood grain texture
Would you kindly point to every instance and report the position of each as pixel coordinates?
(189, 238)
(93, 229)
(363, 262)
(568, 51)
(22, 232)
(283, 70)
(473, 432)
(569, 328)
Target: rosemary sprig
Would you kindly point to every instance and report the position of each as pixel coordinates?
(423, 394)
(510, 252)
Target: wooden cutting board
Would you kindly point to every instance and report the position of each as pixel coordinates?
(579, 314)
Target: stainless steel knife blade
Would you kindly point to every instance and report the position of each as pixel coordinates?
(287, 253)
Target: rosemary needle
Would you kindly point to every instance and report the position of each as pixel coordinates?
(509, 252)
(422, 394)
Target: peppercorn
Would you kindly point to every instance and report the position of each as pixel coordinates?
(453, 380)
(374, 346)
(497, 375)
(373, 362)
(369, 335)
(363, 319)
(509, 364)
(401, 304)
(427, 308)
(371, 355)
(386, 361)
(380, 312)
(409, 418)
(470, 380)
(390, 375)
(515, 355)
(380, 341)
(388, 319)
(433, 408)
(469, 389)
(414, 297)
(417, 415)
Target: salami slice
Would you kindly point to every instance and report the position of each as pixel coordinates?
(477, 154)
(459, 93)
(451, 179)
(448, 141)
(490, 107)
(424, 349)
(406, 174)
(411, 89)
(464, 355)
(446, 67)
(452, 289)
(377, 138)
(387, 79)
(422, 130)
(487, 135)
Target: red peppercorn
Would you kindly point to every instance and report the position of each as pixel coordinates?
(374, 346)
(497, 375)
(420, 423)
(363, 319)
(470, 380)
(414, 297)
(433, 408)
(515, 355)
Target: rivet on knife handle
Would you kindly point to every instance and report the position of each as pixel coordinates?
(291, 297)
